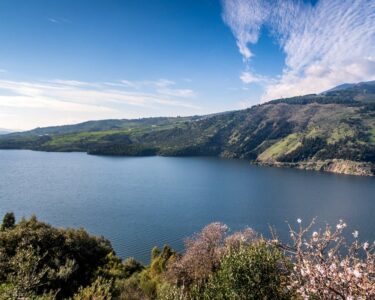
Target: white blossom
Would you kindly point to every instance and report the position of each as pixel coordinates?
(341, 225)
(357, 274)
(332, 267)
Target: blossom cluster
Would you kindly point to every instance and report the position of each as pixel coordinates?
(326, 267)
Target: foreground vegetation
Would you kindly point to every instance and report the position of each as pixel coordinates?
(334, 131)
(38, 261)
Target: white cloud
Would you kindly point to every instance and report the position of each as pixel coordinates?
(161, 86)
(251, 77)
(325, 45)
(75, 83)
(53, 102)
(160, 83)
(59, 20)
(245, 20)
(184, 93)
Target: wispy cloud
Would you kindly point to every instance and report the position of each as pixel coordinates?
(161, 86)
(184, 93)
(3, 71)
(251, 77)
(325, 44)
(160, 83)
(58, 20)
(87, 100)
(245, 19)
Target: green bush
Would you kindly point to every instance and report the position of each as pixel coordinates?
(36, 257)
(100, 289)
(257, 271)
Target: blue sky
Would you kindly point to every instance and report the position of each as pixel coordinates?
(73, 60)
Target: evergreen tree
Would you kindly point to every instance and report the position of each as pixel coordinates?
(8, 221)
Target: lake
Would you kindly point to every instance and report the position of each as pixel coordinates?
(140, 202)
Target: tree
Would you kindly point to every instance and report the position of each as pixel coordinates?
(8, 221)
(328, 267)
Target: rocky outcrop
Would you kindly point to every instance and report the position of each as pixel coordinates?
(339, 166)
(348, 167)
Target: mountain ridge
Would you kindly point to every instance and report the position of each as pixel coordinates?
(334, 132)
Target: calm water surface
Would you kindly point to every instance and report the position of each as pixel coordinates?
(141, 202)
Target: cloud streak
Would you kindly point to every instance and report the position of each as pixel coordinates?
(325, 44)
(162, 87)
(59, 20)
(251, 77)
(75, 101)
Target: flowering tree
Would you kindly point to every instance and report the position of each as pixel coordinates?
(326, 267)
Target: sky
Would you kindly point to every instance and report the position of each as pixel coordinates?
(68, 61)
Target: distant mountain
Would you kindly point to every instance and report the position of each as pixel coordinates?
(101, 125)
(333, 131)
(341, 87)
(353, 86)
(5, 131)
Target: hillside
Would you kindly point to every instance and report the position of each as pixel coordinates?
(333, 131)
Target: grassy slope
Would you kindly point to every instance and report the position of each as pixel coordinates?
(315, 129)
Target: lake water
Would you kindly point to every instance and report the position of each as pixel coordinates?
(138, 203)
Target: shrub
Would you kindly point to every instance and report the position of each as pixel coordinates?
(132, 266)
(49, 259)
(100, 289)
(255, 271)
(28, 274)
(130, 289)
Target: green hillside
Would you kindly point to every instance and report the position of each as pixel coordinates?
(333, 131)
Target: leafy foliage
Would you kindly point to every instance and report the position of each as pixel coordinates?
(36, 257)
(100, 289)
(258, 271)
